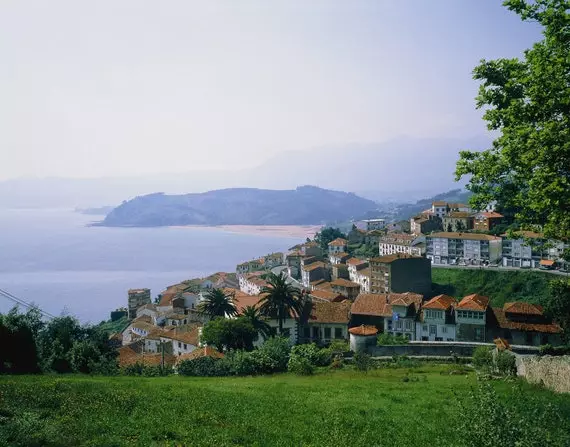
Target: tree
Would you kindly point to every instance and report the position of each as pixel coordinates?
(327, 235)
(56, 342)
(18, 348)
(280, 299)
(527, 170)
(558, 305)
(229, 333)
(253, 315)
(218, 304)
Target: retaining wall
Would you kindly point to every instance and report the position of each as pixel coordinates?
(440, 349)
(554, 372)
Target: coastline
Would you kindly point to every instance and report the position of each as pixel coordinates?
(293, 231)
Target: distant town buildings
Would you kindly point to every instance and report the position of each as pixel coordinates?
(399, 273)
(374, 224)
(410, 244)
(137, 298)
(453, 248)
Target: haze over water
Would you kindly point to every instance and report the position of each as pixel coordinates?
(51, 258)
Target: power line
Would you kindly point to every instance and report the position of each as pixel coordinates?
(20, 301)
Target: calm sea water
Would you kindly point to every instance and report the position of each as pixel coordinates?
(51, 258)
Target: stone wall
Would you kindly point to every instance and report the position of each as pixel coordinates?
(554, 372)
(439, 349)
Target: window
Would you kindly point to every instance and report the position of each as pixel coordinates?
(399, 324)
(307, 332)
(408, 325)
(315, 332)
(389, 325)
(444, 329)
(179, 344)
(185, 346)
(438, 339)
(425, 328)
(478, 334)
(432, 329)
(327, 332)
(337, 332)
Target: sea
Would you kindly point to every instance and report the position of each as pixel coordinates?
(54, 259)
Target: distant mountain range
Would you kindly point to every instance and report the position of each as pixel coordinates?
(400, 170)
(305, 205)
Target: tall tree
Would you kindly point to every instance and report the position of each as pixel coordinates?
(218, 304)
(558, 305)
(327, 235)
(229, 334)
(527, 102)
(280, 299)
(259, 323)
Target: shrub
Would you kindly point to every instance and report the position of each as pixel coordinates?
(506, 363)
(338, 362)
(554, 350)
(202, 367)
(483, 358)
(362, 361)
(242, 363)
(139, 369)
(273, 355)
(300, 365)
(389, 339)
(339, 347)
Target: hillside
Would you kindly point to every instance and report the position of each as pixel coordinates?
(499, 286)
(305, 205)
(408, 210)
(329, 409)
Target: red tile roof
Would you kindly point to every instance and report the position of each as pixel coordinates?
(327, 295)
(439, 203)
(466, 236)
(547, 262)
(338, 242)
(186, 334)
(474, 302)
(519, 307)
(330, 312)
(440, 302)
(381, 304)
(363, 330)
(207, 351)
(243, 301)
(341, 282)
(459, 214)
(128, 356)
(501, 320)
(490, 215)
(356, 261)
(314, 266)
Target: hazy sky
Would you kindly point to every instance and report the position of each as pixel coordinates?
(92, 88)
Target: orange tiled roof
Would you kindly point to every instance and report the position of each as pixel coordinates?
(325, 285)
(243, 301)
(363, 330)
(128, 356)
(440, 302)
(190, 336)
(467, 236)
(340, 254)
(501, 320)
(207, 351)
(327, 295)
(519, 307)
(341, 282)
(330, 312)
(338, 242)
(474, 302)
(391, 258)
(459, 214)
(356, 261)
(313, 266)
(547, 262)
(381, 304)
(439, 203)
(490, 215)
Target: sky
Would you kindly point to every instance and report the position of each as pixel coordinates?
(134, 87)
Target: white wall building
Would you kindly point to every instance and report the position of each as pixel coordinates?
(463, 248)
(374, 224)
(392, 243)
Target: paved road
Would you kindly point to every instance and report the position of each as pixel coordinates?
(500, 269)
(292, 281)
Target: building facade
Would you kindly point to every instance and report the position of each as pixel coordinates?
(400, 273)
(137, 298)
(393, 243)
(463, 248)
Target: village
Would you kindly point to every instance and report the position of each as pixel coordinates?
(355, 298)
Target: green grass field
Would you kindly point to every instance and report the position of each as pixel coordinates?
(332, 408)
(500, 286)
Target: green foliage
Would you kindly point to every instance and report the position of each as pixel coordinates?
(483, 358)
(18, 341)
(139, 369)
(259, 323)
(364, 251)
(326, 235)
(362, 361)
(311, 352)
(273, 355)
(218, 304)
(554, 350)
(114, 326)
(242, 363)
(280, 299)
(203, 367)
(506, 363)
(227, 334)
(389, 339)
(486, 421)
(499, 286)
(300, 365)
(339, 347)
(558, 305)
(343, 407)
(526, 102)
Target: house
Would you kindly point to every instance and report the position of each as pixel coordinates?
(520, 253)
(134, 354)
(273, 260)
(340, 271)
(458, 221)
(425, 223)
(148, 310)
(176, 319)
(310, 248)
(394, 313)
(338, 245)
(326, 295)
(399, 273)
(293, 262)
(313, 272)
(471, 318)
(437, 320)
(486, 220)
(356, 236)
(374, 224)
(401, 243)
(136, 299)
(184, 339)
(463, 248)
(250, 266)
(460, 207)
(327, 321)
(362, 277)
(523, 324)
(339, 257)
(354, 265)
(439, 209)
(372, 238)
(345, 287)
(252, 283)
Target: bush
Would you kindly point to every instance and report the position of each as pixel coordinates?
(338, 362)
(242, 363)
(203, 367)
(339, 347)
(389, 339)
(362, 361)
(273, 355)
(139, 369)
(300, 365)
(483, 358)
(506, 363)
(554, 350)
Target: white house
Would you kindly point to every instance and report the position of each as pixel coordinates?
(463, 248)
(251, 284)
(338, 245)
(338, 257)
(183, 341)
(392, 243)
(374, 224)
(437, 320)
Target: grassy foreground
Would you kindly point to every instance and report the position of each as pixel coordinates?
(500, 286)
(336, 408)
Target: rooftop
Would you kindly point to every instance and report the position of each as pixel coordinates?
(356, 261)
(381, 304)
(391, 258)
(341, 282)
(490, 215)
(499, 318)
(459, 214)
(327, 295)
(207, 351)
(473, 302)
(520, 307)
(314, 266)
(338, 242)
(440, 302)
(330, 312)
(466, 236)
(363, 330)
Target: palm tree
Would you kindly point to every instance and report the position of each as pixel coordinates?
(253, 315)
(280, 299)
(218, 304)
